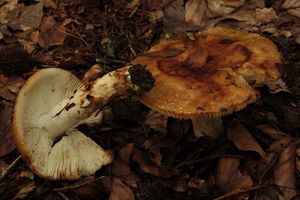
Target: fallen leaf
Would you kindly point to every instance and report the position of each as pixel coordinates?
(3, 167)
(220, 8)
(228, 176)
(271, 131)
(51, 33)
(244, 141)
(6, 8)
(149, 166)
(292, 7)
(6, 141)
(195, 11)
(120, 191)
(121, 165)
(284, 173)
(16, 188)
(156, 121)
(9, 87)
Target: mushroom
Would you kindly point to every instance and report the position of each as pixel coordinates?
(48, 107)
(210, 77)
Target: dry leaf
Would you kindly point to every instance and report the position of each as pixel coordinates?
(271, 131)
(229, 178)
(30, 16)
(284, 173)
(6, 141)
(3, 167)
(51, 33)
(149, 166)
(6, 8)
(121, 165)
(9, 86)
(156, 121)
(120, 191)
(244, 141)
(195, 11)
(292, 7)
(220, 8)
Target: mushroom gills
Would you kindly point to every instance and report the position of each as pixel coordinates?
(212, 127)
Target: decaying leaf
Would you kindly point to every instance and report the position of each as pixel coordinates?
(6, 8)
(6, 141)
(51, 33)
(16, 189)
(195, 11)
(220, 8)
(292, 7)
(9, 87)
(120, 191)
(149, 166)
(29, 17)
(284, 173)
(228, 176)
(244, 141)
(156, 121)
(271, 131)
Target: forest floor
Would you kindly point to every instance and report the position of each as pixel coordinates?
(156, 157)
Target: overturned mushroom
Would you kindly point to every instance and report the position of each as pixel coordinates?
(213, 76)
(50, 104)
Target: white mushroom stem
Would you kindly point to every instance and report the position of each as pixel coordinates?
(86, 100)
(212, 127)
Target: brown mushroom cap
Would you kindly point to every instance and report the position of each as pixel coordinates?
(212, 76)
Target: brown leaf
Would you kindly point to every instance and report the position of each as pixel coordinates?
(221, 8)
(120, 191)
(292, 7)
(6, 141)
(195, 11)
(120, 166)
(149, 166)
(9, 86)
(271, 131)
(229, 178)
(6, 8)
(244, 141)
(51, 32)
(156, 121)
(30, 16)
(284, 173)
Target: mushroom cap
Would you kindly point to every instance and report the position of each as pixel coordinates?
(211, 76)
(72, 156)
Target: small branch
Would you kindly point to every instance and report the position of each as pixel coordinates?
(76, 185)
(9, 168)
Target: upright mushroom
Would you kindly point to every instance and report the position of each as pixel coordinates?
(210, 77)
(47, 108)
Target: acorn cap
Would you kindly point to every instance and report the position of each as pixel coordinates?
(211, 76)
(68, 156)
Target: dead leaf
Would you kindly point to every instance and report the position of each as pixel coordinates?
(244, 141)
(51, 33)
(284, 173)
(292, 7)
(29, 17)
(6, 8)
(271, 131)
(220, 8)
(120, 191)
(228, 176)
(6, 141)
(195, 11)
(121, 165)
(156, 121)
(3, 167)
(9, 86)
(149, 166)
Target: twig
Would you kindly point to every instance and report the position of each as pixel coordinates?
(76, 185)
(63, 196)
(241, 191)
(9, 168)
(206, 159)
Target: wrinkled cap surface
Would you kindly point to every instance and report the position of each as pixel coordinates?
(214, 75)
(69, 156)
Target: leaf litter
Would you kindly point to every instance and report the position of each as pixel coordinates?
(156, 157)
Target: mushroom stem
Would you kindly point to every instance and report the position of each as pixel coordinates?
(212, 127)
(89, 98)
